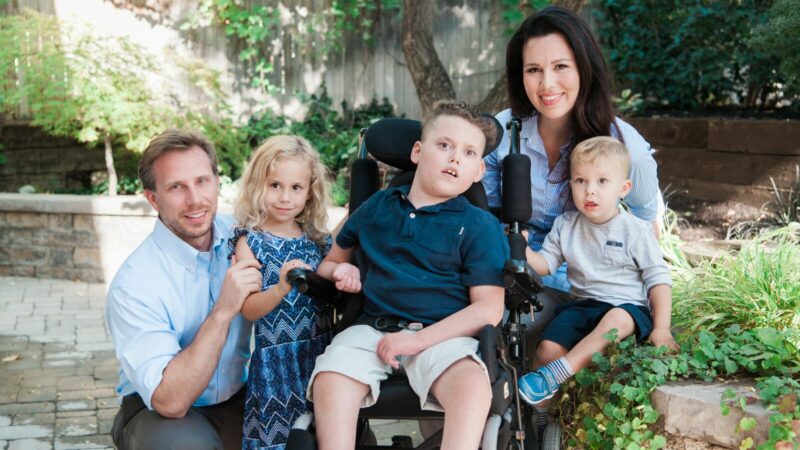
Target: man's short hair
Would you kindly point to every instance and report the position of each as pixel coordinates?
(465, 111)
(604, 148)
(168, 141)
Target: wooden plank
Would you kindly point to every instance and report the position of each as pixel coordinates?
(755, 196)
(774, 137)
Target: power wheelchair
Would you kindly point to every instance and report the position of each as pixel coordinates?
(502, 348)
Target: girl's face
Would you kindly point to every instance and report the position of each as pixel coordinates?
(288, 190)
(550, 76)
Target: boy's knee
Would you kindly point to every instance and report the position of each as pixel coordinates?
(618, 318)
(465, 380)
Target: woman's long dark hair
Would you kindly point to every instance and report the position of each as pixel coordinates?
(593, 113)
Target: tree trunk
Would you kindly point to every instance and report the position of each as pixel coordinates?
(427, 71)
(112, 173)
(496, 99)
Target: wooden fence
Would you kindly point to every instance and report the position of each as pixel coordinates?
(469, 36)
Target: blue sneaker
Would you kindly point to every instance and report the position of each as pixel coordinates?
(537, 386)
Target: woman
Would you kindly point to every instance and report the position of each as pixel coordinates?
(558, 86)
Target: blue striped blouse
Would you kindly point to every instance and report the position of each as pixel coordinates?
(549, 188)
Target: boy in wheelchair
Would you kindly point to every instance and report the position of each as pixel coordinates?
(435, 279)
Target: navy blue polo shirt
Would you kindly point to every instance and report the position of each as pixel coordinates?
(422, 262)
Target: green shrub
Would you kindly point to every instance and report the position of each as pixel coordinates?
(779, 37)
(690, 55)
(758, 287)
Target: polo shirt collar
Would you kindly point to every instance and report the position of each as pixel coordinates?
(454, 204)
(183, 253)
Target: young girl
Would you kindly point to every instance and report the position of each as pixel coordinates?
(282, 212)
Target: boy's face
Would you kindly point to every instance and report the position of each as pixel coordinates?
(449, 159)
(597, 186)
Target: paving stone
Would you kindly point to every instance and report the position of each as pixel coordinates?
(19, 408)
(37, 382)
(88, 394)
(76, 405)
(82, 413)
(25, 432)
(60, 363)
(3, 445)
(75, 383)
(35, 419)
(108, 413)
(5, 421)
(108, 402)
(105, 382)
(30, 444)
(76, 426)
(68, 355)
(45, 393)
(94, 442)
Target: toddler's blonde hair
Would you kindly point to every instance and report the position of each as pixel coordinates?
(249, 207)
(603, 148)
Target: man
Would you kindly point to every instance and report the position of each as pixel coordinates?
(173, 310)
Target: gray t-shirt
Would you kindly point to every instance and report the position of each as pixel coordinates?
(616, 262)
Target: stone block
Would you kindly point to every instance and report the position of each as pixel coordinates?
(14, 236)
(771, 137)
(17, 219)
(83, 222)
(76, 426)
(59, 221)
(25, 432)
(669, 132)
(61, 257)
(28, 408)
(693, 410)
(87, 394)
(87, 257)
(30, 444)
(28, 255)
(35, 419)
(97, 441)
(42, 394)
(75, 383)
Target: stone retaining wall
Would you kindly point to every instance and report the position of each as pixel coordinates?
(70, 236)
(723, 159)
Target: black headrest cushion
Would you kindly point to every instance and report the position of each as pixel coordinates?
(391, 140)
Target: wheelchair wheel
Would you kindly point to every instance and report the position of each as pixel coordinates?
(551, 438)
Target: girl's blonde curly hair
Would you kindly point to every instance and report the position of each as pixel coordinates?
(249, 207)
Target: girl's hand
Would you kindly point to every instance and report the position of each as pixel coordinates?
(659, 337)
(283, 283)
(397, 344)
(347, 278)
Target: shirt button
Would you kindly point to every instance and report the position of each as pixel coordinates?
(412, 215)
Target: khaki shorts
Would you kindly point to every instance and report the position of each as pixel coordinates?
(352, 353)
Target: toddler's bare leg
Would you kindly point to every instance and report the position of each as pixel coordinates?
(581, 355)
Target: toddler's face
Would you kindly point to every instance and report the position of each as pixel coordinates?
(597, 186)
(450, 158)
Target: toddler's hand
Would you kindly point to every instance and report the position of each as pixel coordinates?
(393, 345)
(662, 336)
(347, 278)
(283, 283)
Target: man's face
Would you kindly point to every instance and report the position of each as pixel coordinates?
(186, 195)
(449, 159)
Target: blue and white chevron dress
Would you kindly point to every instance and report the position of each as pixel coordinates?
(287, 341)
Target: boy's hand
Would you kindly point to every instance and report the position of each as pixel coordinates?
(662, 336)
(283, 283)
(347, 278)
(393, 345)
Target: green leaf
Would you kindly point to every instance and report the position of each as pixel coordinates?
(747, 423)
(658, 441)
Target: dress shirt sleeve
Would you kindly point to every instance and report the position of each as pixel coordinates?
(143, 338)
(649, 259)
(644, 200)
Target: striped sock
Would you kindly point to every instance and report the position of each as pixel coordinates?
(561, 369)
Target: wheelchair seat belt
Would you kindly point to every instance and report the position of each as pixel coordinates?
(388, 324)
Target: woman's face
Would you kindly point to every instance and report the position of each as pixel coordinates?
(550, 76)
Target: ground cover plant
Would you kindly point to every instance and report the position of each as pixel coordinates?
(738, 317)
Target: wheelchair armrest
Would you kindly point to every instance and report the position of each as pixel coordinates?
(309, 282)
(487, 345)
(522, 281)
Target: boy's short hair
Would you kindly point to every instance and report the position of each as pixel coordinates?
(603, 147)
(465, 111)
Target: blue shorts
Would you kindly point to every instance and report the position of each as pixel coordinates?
(574, 320)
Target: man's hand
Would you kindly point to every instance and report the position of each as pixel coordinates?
(242, 279)
(283, 283)
(662, 336)
(393, 345)
(347, 278)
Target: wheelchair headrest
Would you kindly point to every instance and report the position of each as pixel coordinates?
(391, 140)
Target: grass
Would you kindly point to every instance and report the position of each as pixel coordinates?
(758, 287)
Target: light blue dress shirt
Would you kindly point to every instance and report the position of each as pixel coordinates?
(549, 189)
(156, 304)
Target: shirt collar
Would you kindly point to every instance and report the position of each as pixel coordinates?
(530, 132)
(180, 250)
(454, 204)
